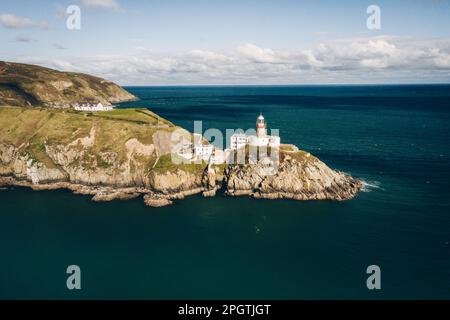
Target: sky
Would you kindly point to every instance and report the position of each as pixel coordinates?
(233, 42)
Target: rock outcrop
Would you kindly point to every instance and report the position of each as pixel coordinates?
(168, 186)
(301, 178)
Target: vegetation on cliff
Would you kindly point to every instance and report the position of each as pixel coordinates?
(26, 85)
(33, 131)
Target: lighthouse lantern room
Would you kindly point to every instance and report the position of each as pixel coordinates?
(261, 139)
(261, 126)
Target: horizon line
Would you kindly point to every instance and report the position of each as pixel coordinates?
(289, 85)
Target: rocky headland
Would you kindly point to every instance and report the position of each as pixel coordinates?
(35, 86)
(126, 153)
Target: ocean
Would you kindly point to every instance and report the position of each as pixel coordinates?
(394, 137)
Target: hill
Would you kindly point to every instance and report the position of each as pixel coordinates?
(26, 85)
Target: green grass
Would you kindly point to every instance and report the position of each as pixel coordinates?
(33, 128)
(165, 164)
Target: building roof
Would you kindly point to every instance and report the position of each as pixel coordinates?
(239, 135)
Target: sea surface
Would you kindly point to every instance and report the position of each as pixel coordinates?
(395, 138)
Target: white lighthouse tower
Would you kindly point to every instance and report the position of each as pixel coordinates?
(261, 127)
(261, 139)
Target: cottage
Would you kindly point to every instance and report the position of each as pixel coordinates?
(91, 107)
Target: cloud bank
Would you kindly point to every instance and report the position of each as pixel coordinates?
(11, 21)
(383, 59)
(108, 4)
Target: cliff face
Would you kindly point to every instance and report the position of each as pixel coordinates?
(299, 176)
(33, 86)
(110, 155)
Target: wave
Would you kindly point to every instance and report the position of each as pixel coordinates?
(368, 186)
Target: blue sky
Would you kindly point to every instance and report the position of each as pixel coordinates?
(233, 42)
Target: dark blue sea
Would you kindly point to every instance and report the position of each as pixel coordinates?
(395, 138)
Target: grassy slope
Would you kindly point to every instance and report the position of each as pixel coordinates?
(26, 85)
(165, 163)
(32, 128)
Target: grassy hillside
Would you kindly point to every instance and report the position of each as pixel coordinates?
(33, 128)
(101, 139)
(28, 85)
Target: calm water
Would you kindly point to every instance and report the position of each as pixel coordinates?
(396, 138)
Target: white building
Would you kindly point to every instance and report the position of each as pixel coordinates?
(186, 151)
(267, 141)
(238, 140)
(201, 150)
(92, 107)
(197, 150)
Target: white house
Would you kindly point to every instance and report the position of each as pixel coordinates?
(203, 151)
(91, 107)
(186, 151)
(238, 140)
(195, 151)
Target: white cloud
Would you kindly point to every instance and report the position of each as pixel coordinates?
(360, 60)
(257, 54)
(388, 53)
(11, 21)
(108, 4)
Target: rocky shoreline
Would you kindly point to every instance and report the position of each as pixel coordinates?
(108, 193)
(310, 179)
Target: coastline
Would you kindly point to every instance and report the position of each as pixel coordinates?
(346, 189)
(123, 153)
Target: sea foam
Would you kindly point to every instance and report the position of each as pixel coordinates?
(368, 186)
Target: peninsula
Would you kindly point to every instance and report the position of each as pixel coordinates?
(48, 141)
